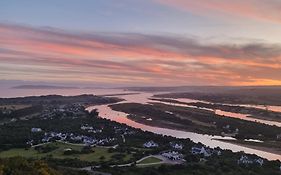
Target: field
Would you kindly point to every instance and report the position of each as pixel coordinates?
(150, 160)
(98, 153)
(13, 107)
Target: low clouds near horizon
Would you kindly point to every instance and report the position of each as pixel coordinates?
(48, 54)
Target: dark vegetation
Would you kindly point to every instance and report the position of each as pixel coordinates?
(21, 166)
(253, 112)
(19, 113)
(213, 167)
(197, 120)
(237, 96)
(58, 99)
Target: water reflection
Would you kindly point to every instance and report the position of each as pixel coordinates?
(107, 112)
(225, 113)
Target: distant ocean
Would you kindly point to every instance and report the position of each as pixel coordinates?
(6, 92)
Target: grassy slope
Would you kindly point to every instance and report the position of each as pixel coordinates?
(58, 153)
(150, 160)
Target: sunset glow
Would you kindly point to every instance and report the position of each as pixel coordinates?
(101, 52)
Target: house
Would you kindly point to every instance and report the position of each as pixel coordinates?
(173, 155)
(46, 139)
(36, 130)
(247, 161)
(278, 137)
(86, 127)
(217, 152)
(89, 141)
(76, 138)
(150, 144)
(203, 160)
(226, 127)
(94, 131)
(259, 161)
(30, 142)
(105, 141)
(201, 151)
(177, 146)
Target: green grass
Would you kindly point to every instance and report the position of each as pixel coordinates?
(14, 107)
(150, 160)
(58, 153)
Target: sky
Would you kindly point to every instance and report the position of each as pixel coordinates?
(141, 42)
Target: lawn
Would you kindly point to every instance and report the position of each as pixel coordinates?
(97, 155)
(150, 160)
(14, 107)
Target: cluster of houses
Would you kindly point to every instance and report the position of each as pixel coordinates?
(245, 160)
(73, 110)
(54, 136)
(152, 144)
(90, 129)
(173, 155)
(85, 139)
(72, 138)
(206, 152)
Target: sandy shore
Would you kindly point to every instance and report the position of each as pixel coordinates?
(260, 147)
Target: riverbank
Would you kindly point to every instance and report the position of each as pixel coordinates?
(248, 112)
(271, 147)
(239, 96)
(196, 120)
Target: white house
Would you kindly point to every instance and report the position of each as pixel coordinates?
(36, 130)
(259, 161)
(173, 155)
(150, 144)
(201, 150)
(30, 142)
(176, 146)
(246, 160)
(278, 137)
(87, 127)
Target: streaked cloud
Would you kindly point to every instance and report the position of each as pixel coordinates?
(253, 9)
(36, 53)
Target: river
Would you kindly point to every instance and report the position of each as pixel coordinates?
(225, 113)
(106, 112)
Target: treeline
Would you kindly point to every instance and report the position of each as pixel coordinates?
(58, 99)
(213, 167)
(254, 96)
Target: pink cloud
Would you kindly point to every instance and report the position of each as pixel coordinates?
(43, 53)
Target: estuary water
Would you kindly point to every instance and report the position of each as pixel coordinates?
(106, 112)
